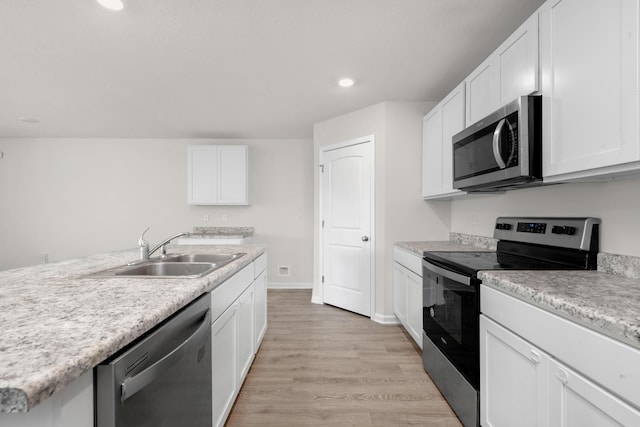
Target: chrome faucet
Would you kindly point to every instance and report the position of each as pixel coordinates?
(145, 252)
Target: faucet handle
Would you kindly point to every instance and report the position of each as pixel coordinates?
(143, 245)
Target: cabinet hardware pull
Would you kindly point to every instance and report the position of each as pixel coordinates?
(562, 375)
(535, 356)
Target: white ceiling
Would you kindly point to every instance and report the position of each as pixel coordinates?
(231, 68)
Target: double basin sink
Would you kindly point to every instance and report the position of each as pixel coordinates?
(178, 266)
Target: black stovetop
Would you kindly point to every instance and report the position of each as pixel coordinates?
(471, 263)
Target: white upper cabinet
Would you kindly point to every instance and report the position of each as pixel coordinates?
(511, 71)
(218, 175)
(482, 91)
(432, 153)
(439, 126)
(589, 82)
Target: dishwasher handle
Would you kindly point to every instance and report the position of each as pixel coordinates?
(131, 386)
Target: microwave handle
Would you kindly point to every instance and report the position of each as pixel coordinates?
(496, 144)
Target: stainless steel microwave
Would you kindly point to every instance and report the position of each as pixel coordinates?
(501, 151)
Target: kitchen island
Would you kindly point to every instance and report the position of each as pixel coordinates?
(58, 323)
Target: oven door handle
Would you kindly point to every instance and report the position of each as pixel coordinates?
(460, 278)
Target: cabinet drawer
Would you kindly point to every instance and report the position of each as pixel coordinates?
(410, 260)
(224, 295)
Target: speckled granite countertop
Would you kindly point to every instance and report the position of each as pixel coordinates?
(57, 324)
(604, 302)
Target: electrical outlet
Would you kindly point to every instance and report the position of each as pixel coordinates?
(205, 217)
(283, 270)
(44, 259)
(474, 219)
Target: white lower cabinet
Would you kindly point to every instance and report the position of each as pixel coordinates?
(400, 292)
(246, 338)
(224, 364)
(414, 306)
(260, 308)
(236, 333)
(513, 377)
(537, 369)
(407, 292)
(575, 401)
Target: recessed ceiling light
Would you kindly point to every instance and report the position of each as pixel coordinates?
(346, 82)
(28, 119)
(111, 4)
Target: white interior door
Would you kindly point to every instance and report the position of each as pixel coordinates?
(346, 233)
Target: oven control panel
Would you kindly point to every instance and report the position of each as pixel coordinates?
(576, 233)
(532, 227)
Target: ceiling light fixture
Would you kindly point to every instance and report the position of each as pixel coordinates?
(111, 4)
(346, 82)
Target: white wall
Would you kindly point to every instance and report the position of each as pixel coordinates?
(400, 213)
(616, 203)
(74, 197)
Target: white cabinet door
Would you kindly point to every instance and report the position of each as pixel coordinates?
(260, 308)
(482, 91)
(432, 153)
(509, 72)
(232, 163)
(452, 123)
(517, 63)
(246, 337)
(407, 292)
(414, 306)
(575, 401)
(202, 174)
(589, 82)
(439, 126)
(400, 293)
(224, 364)
(217, 175)
(513, 378)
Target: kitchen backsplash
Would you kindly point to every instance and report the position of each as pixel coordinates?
(621, 265)
(470, 239)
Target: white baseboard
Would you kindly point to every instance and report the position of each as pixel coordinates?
(385, 319)
(289, 285)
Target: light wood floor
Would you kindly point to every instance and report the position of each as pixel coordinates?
(322, 366)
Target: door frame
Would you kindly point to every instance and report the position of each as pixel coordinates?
(372, 238)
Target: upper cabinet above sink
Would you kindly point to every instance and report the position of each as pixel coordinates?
(218, 175)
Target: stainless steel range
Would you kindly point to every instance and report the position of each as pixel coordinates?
(451, 300)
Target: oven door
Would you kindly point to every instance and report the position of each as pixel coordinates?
(451, 313)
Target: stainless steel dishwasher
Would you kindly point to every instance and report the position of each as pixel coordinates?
(164, 379)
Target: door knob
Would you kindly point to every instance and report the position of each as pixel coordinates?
(365, 238)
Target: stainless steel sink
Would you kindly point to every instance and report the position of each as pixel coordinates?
(172, 266)
(184, 269)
